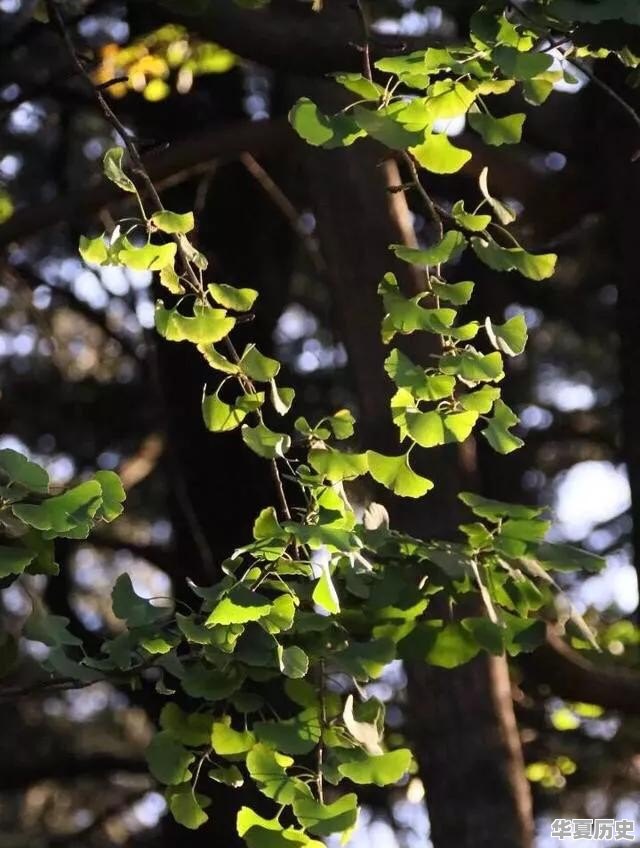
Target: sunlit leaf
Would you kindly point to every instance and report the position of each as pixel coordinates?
(378, 769)
(438, 155)
(173, 222)
(112, 165)
(497, 432)
(497, 131)
(510, 337)
(395, 473)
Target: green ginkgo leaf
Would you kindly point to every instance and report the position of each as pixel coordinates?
(380, 769)
(449, 99)
(480, 401)
(173, 222)
(324, 593)
(293, 661)
(365, 89)
(497, 432)
(238, 607)
(321, 130)
(204, 326)
(456, 293)
(257, 366)
(382, 126)
(518, 65)
(220, 417)
(69, 514)
(269, 769)
(426, 428)
(130, 607)
(497, 131)
(113, 495)
(187, 806)
(535, 267)
(471, 366)
(422, 386)
(191, 729)
(168, 760)
(325, 819)
(395, 473)
(228, 742)
(451, 245)
(93, 250)
(298, 735)
(240, 300)
(146, 257)
(18, 470)
(282, 398)
(438, 155)
(112, 166)
(510, 337)
(265, 442)
(14, 559)
(469, 220)
(336, 465)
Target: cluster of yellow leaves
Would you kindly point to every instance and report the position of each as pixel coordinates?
(166, 58)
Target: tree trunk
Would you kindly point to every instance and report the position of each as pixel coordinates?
(617, 171)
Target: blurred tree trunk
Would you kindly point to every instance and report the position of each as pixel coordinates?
(616, 170)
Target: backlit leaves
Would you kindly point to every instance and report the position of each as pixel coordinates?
(112, 166)
(321, 130)
(203, 326)
(438, 155)
(395, 473)
(498, 258)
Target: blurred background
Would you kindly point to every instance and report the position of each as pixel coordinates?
(85, 383)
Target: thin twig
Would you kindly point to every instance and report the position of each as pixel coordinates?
(43, 687)
(287, 208)
(366, 47)
(431, 206)
(323, 724)
(588, 72)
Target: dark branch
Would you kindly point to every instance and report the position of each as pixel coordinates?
(290, 36)
(19, 777)
(176, 164)
(575, 678)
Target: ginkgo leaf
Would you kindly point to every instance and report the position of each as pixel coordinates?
(438, 155)
(521, 65)
(497, 131)
(204, 326)
(395, 473)
(497, 432)
(510, 337)
(112, 166)
(535, 267)
(173, 222)
(449, 247)
(321, 130)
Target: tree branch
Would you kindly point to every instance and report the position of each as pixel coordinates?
(19, 777)
(176, 164)
(289, 36)
(574, 677)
